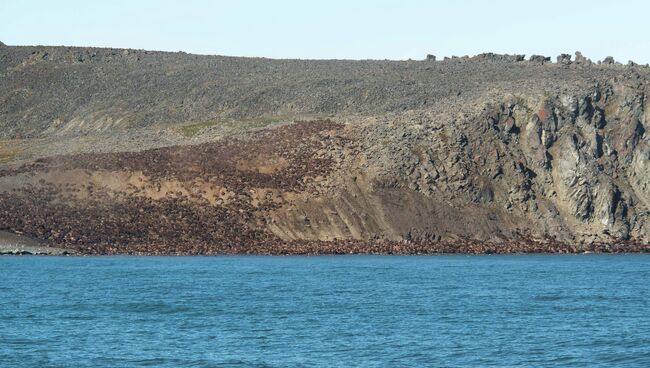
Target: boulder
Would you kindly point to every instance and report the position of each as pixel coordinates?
(580, 59)
(564, 59)
(609, 60)
(490, 56)
(540, 58)
(431, 57)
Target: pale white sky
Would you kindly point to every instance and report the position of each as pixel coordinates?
(347, 29)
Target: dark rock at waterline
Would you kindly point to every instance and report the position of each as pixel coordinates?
(15, 244)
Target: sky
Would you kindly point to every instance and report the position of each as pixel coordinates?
(337, 29)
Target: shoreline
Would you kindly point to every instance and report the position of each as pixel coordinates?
(26, 250)
(280, 255)
(16, 244)
(331, 248)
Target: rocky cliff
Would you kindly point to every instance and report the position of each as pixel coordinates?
(129, 151)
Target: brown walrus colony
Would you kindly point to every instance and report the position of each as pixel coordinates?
(491, 154)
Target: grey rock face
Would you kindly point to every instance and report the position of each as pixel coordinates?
(556, 161)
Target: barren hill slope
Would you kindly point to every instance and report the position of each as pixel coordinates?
(130, 151)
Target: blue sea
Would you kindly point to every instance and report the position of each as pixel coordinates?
(342, 311)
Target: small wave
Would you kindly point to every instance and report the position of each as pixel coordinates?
(549, 298)
(151, 307)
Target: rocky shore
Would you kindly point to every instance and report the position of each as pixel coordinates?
(362, 247)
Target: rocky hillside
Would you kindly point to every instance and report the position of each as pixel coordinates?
(128, 151)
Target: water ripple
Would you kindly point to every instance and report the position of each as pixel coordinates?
(364, 311)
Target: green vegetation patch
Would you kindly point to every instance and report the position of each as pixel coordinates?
(7, 152)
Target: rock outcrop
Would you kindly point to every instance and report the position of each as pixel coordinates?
(564, 59)
(609, 60)
(540, 58)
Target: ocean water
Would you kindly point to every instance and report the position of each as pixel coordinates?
(344, 311)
